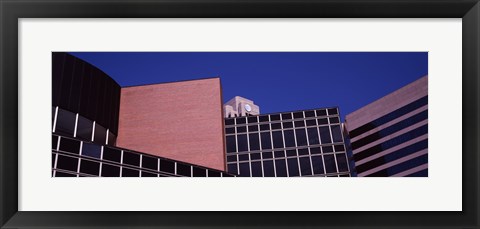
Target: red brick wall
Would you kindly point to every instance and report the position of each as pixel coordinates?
(180, 120)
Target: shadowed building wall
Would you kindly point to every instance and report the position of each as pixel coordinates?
(181, 120)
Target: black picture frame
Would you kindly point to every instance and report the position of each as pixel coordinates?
(12, 10)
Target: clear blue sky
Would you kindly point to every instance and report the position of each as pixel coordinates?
(276, 81)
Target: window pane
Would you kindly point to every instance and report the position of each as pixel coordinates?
(317, 165)
(256, 169)
(342, 162)
(91, 150)
(339, 148)
(232, 168)
(301, 137)
(293, 167)
(311, 122)
(322, 121)
(302, 152)
(100, 134)
(315, 150)
(267, 155)
(309, 113)
(298, 114)
(274, 117)
(254, 142)
(279, 154)
(291, 153)
(131, 158)
(332, 111)
(325, 134)
(229, 121)
(336, 133)
(252, 119)
(286, 116)
(276, 126)
(263, 118)
(54, 142)
(147, 174)
(149, 162)
(268, 170)
(241, 120)
(230, 130)
(289, 138)
(89, 167)
(264, 127)
(183, 169)
(277, 139)
(130, 172)
(330, 163)
(69, 145)
(231, 158)
(110, 170)
(231, 144)
(253, 128)
(67, 163)
(65, 122)
(266, 142)
(305, 167)
(243, 157)
(111, 154)
(281, 168)
(334, 120)
(287, 125)
(255, 156)
(321, 112)
(84, 128)
(299, 123)
(241, 129)
(212, 173)
(313, 138)
(242, 142)
(244, 169)
(167, 166)
(327, 149)
(199, 172)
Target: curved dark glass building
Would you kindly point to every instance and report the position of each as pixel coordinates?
(85, 100)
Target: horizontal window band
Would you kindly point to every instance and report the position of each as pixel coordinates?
(420, 160)
(391, 143)
(389, 117)
(393, 156)
(390, 130)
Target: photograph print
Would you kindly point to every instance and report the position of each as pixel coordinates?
(239, 114)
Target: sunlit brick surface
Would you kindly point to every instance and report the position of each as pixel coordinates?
(181, 120)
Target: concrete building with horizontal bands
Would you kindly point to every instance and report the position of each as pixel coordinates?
(389, 137)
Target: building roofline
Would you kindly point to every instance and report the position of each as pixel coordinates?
(178, 81)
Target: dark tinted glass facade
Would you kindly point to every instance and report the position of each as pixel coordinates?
(290, 144)
(80, 88)
(75, 158)
(395, 141)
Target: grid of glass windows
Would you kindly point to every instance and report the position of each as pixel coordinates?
(76, 158)
(69, 124)
(300, 143)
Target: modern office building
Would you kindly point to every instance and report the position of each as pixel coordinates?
(94, 120)
(389, 137)
(288, 144)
